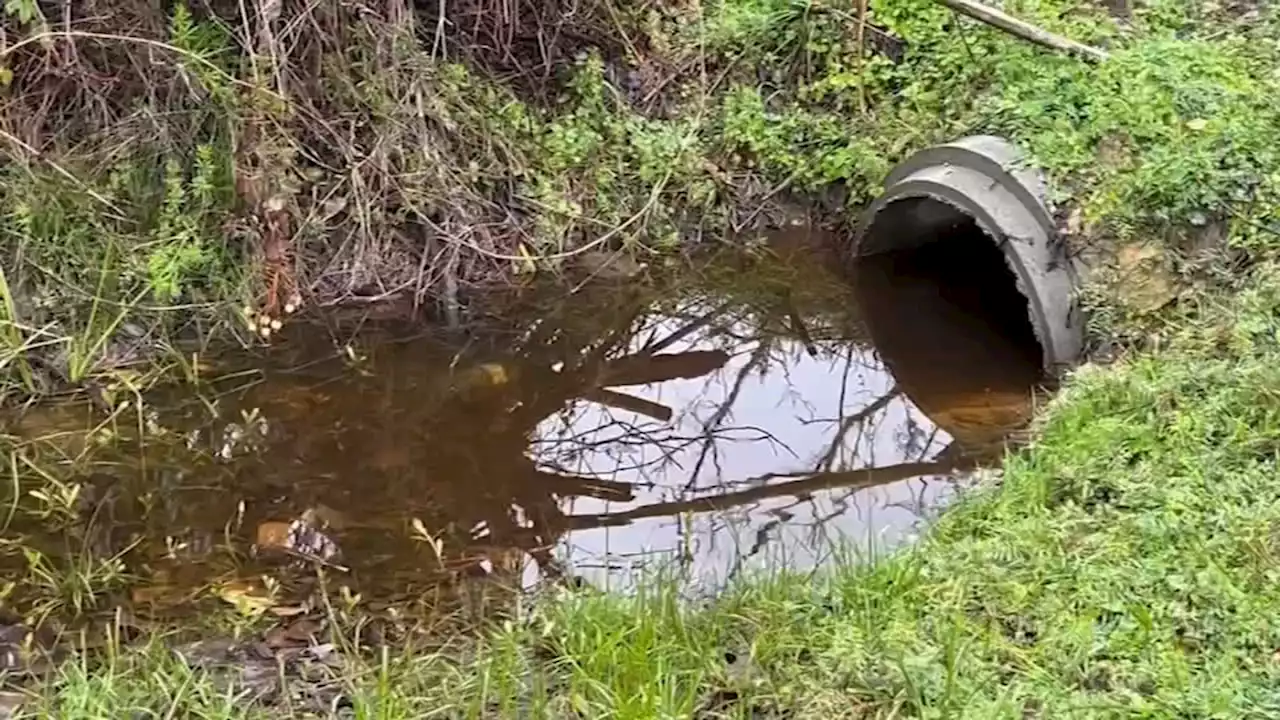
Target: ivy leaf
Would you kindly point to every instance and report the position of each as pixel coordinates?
(26, 11)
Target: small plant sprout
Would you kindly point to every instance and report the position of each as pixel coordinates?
(58, 501)
(421, 533)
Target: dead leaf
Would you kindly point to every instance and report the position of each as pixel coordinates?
(250, 597)
(495, 372)
(488, 374)
(300, 632)
(286, 611)
(273, 534)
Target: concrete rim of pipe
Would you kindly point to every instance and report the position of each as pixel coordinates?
(984, 178)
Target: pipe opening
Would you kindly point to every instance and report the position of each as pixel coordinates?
(943, 305)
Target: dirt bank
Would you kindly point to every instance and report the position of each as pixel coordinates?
(203, 171)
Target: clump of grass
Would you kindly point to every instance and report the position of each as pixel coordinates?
(149, 680)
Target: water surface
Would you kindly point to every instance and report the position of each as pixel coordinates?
(759, 408)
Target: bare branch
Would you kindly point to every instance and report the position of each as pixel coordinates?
(859, 479)
(1025, 30)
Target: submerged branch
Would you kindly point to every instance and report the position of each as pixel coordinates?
(854, 479)
(575, 486)
(623, 401)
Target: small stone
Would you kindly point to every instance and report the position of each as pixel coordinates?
(321, 652)
(273, 534)
(206, 653)
(1075, 221)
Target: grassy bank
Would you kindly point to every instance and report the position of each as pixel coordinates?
(165, 171)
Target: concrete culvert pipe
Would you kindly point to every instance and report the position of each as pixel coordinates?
(960, 208)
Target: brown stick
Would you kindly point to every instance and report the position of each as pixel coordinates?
(623, 401)
(1026, 31)
(852, 479)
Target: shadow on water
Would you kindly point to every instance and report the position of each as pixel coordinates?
(753, 410)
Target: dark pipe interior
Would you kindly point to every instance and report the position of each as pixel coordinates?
(943, 306)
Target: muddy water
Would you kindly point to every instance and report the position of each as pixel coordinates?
(757, 409)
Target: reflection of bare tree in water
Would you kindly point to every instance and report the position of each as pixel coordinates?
(827, 472)
(490, 457)
(452, 448)
(797, 484)
(491, 446)
(768, 343)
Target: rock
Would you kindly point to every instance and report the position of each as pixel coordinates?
(234, 667)
(1144, 281)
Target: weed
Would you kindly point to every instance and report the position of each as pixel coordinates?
(73, 587)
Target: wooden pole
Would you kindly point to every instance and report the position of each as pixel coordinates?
(997, 19)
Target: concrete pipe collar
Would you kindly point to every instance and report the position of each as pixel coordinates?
(983, 181)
